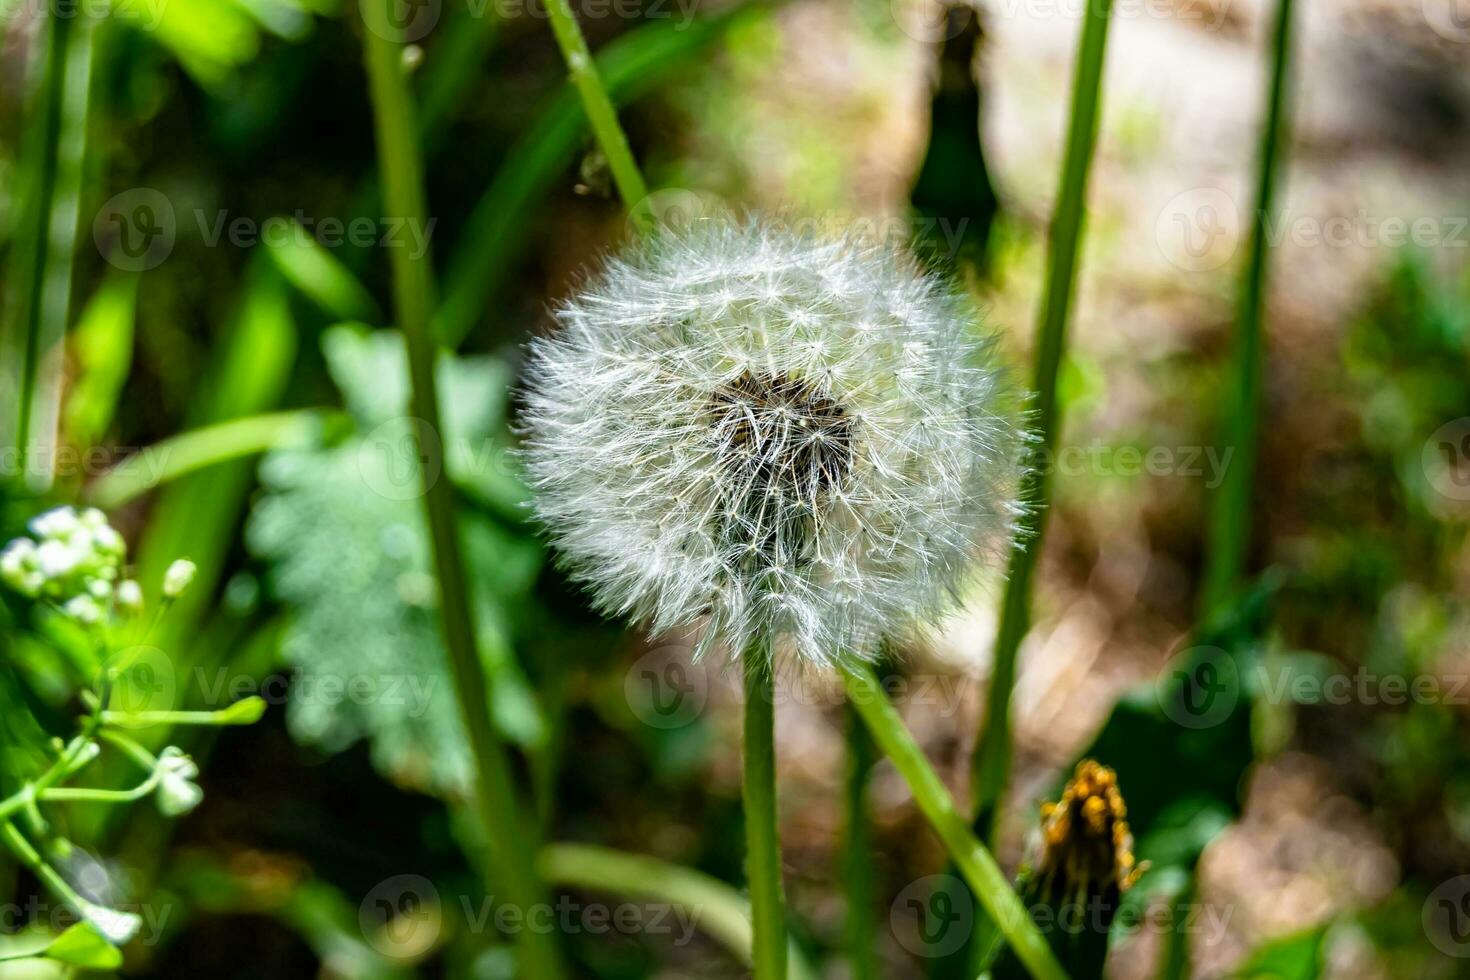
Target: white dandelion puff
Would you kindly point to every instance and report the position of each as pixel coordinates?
(785, 439)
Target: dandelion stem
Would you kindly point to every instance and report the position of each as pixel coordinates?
(762, 838)
(601, 115)
(1229, 520)
(857, 858)
(992, 760)
(508, 835)
(979, 869)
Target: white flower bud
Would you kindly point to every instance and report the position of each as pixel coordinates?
(59, 522)
(18, 567)
(129, 595)
(84, 609)
(108, 541)
(118, 927)
(178, 577)
(177, 791)
(55, 559)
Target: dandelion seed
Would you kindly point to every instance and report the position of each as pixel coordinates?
(777, 436)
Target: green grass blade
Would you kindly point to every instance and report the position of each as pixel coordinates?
(993, 752)
(33, 348)
(723, 913)
(485, 254)
(508, 834)
(103, 352)
(1000, 901)
(448, 72)
(189, 452)
(312, 268)
(596, 103)
(1229, 519)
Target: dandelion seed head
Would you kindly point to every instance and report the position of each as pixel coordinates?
(781, 438)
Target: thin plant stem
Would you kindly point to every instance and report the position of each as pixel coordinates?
(857, 852)
(1229, 517)
(508, 835)
(975, 863)
(762, 836)
(29, 856)
(992, 760)
(601, 115)
(1228, 530)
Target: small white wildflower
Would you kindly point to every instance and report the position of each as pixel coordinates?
(19, 567)
(57, 559)
(84, 609)
(177, 791)
(178, 577)
(778, 436)
(73, 555)
(108, 541)
(59, 522)
(118, 927)
(129, 595)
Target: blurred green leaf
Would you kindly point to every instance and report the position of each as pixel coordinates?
(102, 349)
(342, 527)
(311, 268)
(198, 449)
(83, 946)
(1296, 957)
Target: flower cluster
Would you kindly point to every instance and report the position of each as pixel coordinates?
(75, 560)
(784, 438)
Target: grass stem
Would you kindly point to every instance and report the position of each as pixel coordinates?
(601, 115)
(975, 863)
(1229, 517)
(722, 912)
(992, 759)
(508, 834)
